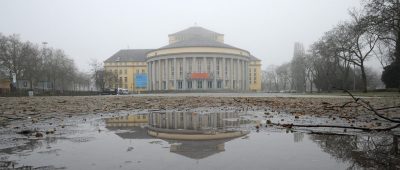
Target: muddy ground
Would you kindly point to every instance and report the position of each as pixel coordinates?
(30, 123)
(42, 108)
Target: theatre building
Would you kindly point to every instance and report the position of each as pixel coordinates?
(196, 59)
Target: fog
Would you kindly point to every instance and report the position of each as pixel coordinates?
(97, 29)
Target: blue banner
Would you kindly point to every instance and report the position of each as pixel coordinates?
(141, 80)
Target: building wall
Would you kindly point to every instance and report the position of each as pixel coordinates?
(224, 72)
(255, 75)
(132, 68)
(127, 72)
(173, 51)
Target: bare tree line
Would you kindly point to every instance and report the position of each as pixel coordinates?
(338, 59)
(39, 68)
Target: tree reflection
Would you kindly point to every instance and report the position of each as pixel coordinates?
(378, 151)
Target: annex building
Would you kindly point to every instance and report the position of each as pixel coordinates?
(196, 59)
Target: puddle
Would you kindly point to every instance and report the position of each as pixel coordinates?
(97, 143)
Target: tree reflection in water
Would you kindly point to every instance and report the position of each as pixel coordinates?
(376, 151)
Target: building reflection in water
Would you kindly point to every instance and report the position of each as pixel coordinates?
(190, 149)
(193, 120)
(133, 126)
(377, 151)
(198, 149)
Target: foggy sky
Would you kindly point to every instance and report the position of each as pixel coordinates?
(96, 29)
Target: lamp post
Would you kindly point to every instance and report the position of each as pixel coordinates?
(117, 61)
(44, 53)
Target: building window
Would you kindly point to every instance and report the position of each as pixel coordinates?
(172, 70)
(164, 85)
(218, 63)
(120, 71)
(199, 65)
(226, 70)
(219, 84)
(142, 70)
(180, 69)
(199, 84)
(126, 86)
(180, 85)
(126, 71)
(189, 84)
(190, 65)
(209, 84)
(125, 79)
(208, 66)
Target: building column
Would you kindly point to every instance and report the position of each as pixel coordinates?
(204, 67)
(243, 72)
(231, 73)
(238, 74)
(154, 75)
(148, 76)
(159, 74)
(214, 72)
(167, 74)
(175, 72)
(244, 75)
(184, 67)
(222, 71)
(247, 75)
(194, 69)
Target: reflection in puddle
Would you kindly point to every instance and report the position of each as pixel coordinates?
(196, 149)
(193, 120)
(380, 151)
(123, 144)
(195, 126)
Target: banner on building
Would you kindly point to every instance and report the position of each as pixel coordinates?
(141, 80)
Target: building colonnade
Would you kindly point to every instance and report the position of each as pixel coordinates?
(220, 72)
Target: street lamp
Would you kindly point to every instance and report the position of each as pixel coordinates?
(117, 61)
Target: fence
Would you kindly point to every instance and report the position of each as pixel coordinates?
(25, 92)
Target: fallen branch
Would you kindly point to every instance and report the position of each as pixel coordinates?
(360, 103)
(371, 108)
(339, 126)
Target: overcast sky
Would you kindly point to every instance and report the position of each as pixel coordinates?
(96, 29)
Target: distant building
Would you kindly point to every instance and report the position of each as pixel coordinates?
(196, 59)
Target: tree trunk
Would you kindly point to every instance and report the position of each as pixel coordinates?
(364, 78)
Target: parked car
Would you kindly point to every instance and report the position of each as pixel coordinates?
(122, 91)
(108, 91)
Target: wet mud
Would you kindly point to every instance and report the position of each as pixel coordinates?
(72, 133)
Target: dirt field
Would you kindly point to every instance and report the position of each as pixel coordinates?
(40, 108)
